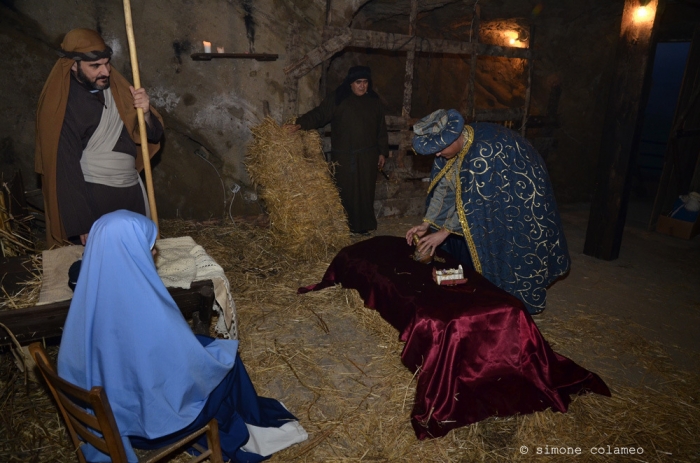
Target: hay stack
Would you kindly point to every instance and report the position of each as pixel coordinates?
(15, 233)
(306, 217)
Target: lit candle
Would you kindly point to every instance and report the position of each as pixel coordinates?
(207, 46)
(219, 49)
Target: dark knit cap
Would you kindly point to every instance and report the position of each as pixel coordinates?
(354, 73)
(358, 72)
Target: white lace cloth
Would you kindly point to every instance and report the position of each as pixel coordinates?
(180, 261)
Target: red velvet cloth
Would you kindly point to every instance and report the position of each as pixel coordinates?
(479, 352)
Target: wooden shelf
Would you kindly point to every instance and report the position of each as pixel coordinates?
(255, 56)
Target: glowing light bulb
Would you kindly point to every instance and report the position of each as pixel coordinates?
(512, 41)
(641, 13)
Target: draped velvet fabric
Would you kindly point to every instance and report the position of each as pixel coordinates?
(479, 352)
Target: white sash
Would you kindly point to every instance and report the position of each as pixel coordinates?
(100, 163)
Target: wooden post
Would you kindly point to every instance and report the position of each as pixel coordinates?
(530, 66)
(326, 63)
(471, 91)
(139, 113)
(410, 58)
(620, 130)
(291, 82)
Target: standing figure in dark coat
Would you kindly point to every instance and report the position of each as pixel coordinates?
(359, 143)
(86, 137)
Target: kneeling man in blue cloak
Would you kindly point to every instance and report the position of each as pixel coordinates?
(490, 205)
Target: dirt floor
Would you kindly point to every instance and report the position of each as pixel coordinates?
(336, 365)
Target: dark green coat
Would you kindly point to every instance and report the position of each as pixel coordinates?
(358, 137)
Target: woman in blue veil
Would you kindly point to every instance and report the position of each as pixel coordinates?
(125, 333)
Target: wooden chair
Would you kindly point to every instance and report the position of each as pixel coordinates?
(73, 402)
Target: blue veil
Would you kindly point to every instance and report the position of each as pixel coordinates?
(125, 333)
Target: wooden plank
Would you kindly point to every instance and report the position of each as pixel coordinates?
(471, 91)
(620, 131)
(319, 54)
(410, 57)
(403, 139)
(323, 87)
(499, 115)
(399, 122)
(402, 42)
(46, 321)
(341, 37)
(291, 84)
(255, 56)
(530, 66)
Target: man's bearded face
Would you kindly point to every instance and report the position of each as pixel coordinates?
(94, 74)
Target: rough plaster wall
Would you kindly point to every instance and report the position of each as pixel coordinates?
(208, 107)
(24, 58)
(576, 43)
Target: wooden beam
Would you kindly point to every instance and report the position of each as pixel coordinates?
(323, 88)
(399, 122)
(319, 54)
(403, 139)
(530, 66)
(620, 131)
(291, 84)
(470, 110)
(255, 56)
(410, 57)
(401, 42)
(342, 37)
(499, 115)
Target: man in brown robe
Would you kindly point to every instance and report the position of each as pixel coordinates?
(86, 139)
(359, 143)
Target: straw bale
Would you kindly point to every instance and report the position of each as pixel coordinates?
(15, 232)
(306, 217)
(28, 293)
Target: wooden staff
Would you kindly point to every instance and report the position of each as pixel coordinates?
(142, 122)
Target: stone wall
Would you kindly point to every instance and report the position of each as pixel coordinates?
(209, 106)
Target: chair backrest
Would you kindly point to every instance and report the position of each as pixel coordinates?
(76, 404)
